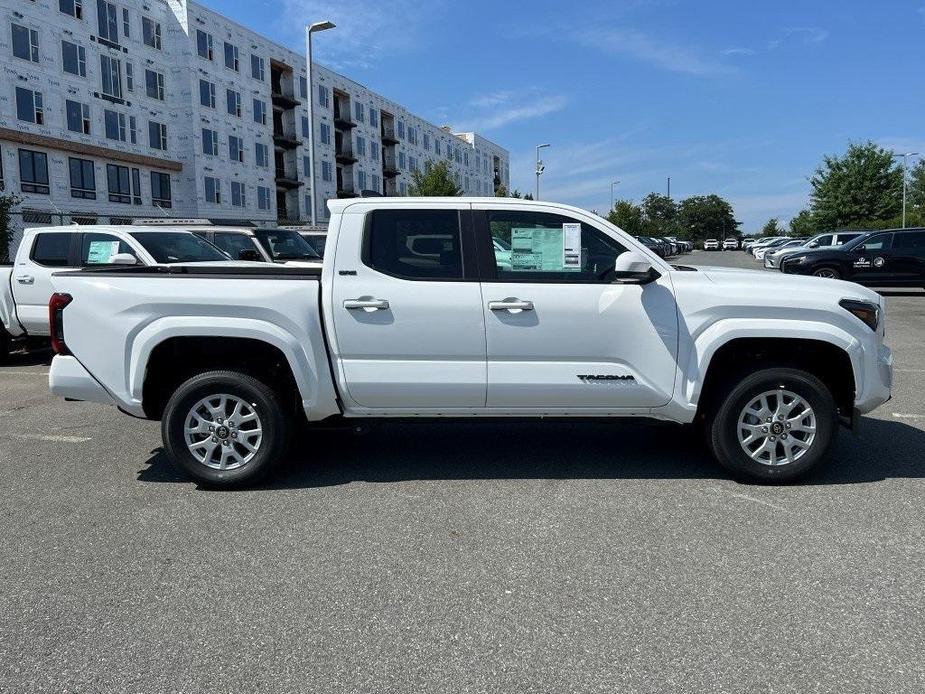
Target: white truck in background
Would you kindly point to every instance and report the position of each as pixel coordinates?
(26, 285)
(415, 314)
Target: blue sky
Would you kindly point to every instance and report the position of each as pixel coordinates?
(738, 98)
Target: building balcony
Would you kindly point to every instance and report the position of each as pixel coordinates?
(287, 180)
(344, 155)
(342, 120)
(388, 136)
(285, 141)
(284, 101)
(346, 190)
(389, 167)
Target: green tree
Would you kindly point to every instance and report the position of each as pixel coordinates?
(501, 191)
(628, 216)
(862, 188)
(438, 181)
(7, 203)
(707, 217)
(915, 196)
(772, 228)
(660, 215)
(804, 224)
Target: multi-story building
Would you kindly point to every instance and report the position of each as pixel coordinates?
(114, 110)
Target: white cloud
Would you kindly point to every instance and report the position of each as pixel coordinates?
(365, 32)
(498, 109)
(737, 50)
(665, 54)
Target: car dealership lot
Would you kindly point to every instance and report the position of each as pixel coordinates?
(462, 556)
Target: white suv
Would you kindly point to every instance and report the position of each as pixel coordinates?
(711, 245)
(730, 244)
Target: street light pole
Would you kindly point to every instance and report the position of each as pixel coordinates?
(614, 183)
(905, 156)
(309, 30)
(539, 168)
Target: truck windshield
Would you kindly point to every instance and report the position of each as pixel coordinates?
(178, 247)
(285, 244)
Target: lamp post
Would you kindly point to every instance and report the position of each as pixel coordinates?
(905, 156)
(540, 167)
(612, 185)
(309, 30)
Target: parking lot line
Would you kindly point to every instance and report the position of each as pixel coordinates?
(900, 415)
(54, 439)
(23, 373)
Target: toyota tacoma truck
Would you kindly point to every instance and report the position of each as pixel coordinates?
(414, 314)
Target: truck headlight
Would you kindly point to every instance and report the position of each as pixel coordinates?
(867, 312)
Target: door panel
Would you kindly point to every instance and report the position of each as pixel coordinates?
(874, 261)
(584, 341)
(909, 255)
(407, 316)
(32, 288)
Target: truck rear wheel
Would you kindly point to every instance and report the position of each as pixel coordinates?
(225, 429)
(774, 426)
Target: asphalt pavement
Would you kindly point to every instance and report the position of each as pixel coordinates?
(462, 557)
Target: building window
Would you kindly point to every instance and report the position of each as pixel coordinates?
(361, 146)
(119, 184)
(373, 117)
(237, 194)
(151, 32)
(33, 171)
(160, 189)
(115, 125)
(72, 7)
(233, 99)
(263, 198)
(132, 130)
(231, 57)
(2, 184)
(29, 106)
(129, 77)
(213, 190)
(25, 43)
(204, 45)
(107, 21)
(260, 112)
(83, 178)
(324, 96)
(359, 113)
(361, 180)
(306, 166)
(207, 93)
(375, 181)
(327, 172)
(305, 126)
(303, 87)
(412, 135)
(261, 155)
(374, 150)
(436, 146)
(111, 74)
(209, 142)
(157, 135)
(74, 58)
(235, 148)
(258, 68)
(325, 134)
(154, 84)
(401, 129)
(401, 160)
(427, 142)
(78, 117)
(126, 24)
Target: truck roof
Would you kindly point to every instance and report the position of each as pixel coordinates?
(339, 206)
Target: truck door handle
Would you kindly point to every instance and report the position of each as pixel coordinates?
(510, 305)
(26, 279)
(366, 304)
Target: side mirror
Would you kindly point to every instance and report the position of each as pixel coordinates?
(814, 244)
(634, 268)
(123, 259)
(250, 255)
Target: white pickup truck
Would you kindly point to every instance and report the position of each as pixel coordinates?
(25, 286)
(413, 315)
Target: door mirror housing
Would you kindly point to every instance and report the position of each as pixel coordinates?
(123, 259)
(814, 244)
(632, 267)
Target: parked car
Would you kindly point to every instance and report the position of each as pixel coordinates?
(762, 243)
(406, 318)
(26, 286)
(773, 259)
(759, 250)
(748, 243)
(316, 239)
(890, 258)
(711, 245)
(730, 244)
(287, 246)
(652, 245)
(789, 244)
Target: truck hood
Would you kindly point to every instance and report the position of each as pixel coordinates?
(779, 285)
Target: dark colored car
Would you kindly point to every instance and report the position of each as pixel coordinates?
(653, 245)
(890, 258)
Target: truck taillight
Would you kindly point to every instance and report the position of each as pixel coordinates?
(56, 308)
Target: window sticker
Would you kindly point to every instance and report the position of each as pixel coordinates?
(546, 249)
(101, 252)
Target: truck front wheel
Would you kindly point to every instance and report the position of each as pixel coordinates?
(225, 429)
(774, 426)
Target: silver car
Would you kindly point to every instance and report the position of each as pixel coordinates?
(772, 260)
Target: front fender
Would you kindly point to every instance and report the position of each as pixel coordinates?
(706, 344)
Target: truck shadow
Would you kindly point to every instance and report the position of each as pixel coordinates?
(501, 449)
(32, 357)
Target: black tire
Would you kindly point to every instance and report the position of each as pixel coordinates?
(832, 273)
(724, 426)
(272, 419)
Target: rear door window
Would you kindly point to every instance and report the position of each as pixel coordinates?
(233, 243)
(415, 244)
(881, 242)
(52, 250)
(910, 243)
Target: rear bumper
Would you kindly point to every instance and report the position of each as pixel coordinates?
(69, 379)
